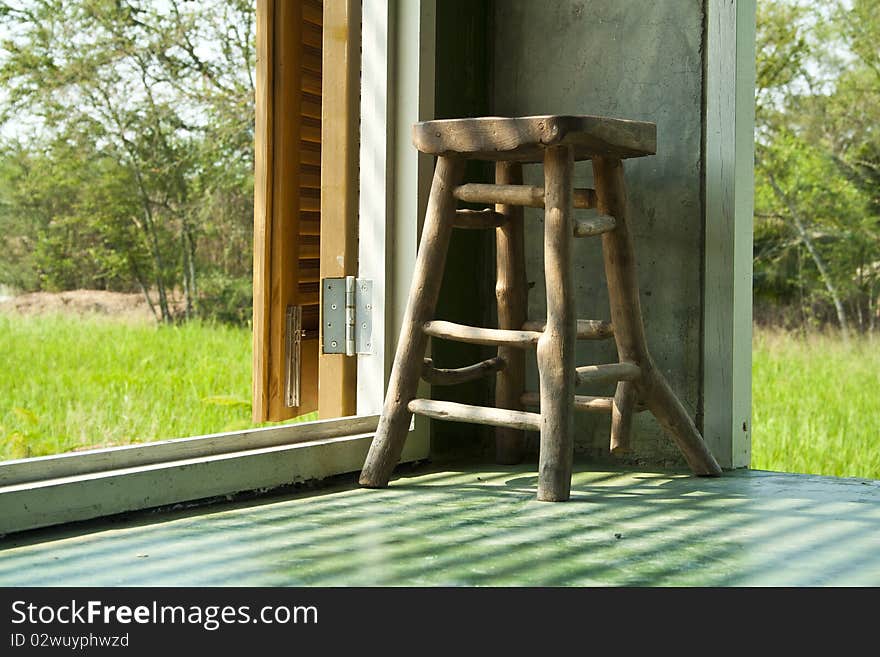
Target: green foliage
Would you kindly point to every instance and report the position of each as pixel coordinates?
(131, 166)
(817, 200)
(226, 299)
(64, 221)
(814, 404)
(800, 180)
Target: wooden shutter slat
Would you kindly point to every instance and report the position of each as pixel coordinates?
(311, 106)
(309, 202)
(310, 132)
(313, 12)
(311, 83)
(309, 272)
(308, 250)
(308, 294)
(311, 60)
(309, 179)
(312, 34)
(309, 154)
(309, 226)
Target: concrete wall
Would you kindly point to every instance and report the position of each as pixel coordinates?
(635, 60)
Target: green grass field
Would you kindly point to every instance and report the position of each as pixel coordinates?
(816, 405)
(70, 383)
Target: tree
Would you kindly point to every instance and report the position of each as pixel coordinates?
(816, 229)
(154, 103)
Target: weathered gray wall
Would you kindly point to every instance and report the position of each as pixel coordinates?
(637, 60)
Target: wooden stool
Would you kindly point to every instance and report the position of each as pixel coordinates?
(557, 141)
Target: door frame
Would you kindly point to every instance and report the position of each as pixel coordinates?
(398, 83)
(340, 118)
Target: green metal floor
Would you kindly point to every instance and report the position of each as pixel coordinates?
(482, 526)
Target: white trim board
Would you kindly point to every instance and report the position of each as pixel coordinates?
(84, 497)
(729, 195)
(397, 90)
(374, 198)
(128, 456)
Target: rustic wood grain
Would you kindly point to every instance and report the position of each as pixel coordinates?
(592, 226)
(587, 329)
(455, 412)
(525, 195)
(474, 219)
(454, 376)
(524, 139)
(340, 122)
(581, 402)
(511, 292)
(557, 342)
(621, 417)
(629, 332)
(607, 372)
(478, 335)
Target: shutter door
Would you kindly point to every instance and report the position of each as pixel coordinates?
(287, 208)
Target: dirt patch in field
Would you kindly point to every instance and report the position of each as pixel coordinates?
(118, 305)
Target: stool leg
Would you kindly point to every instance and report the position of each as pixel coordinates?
(622, 415)
(626, 316)
(390, 436)
(511, 290)
(557, 343)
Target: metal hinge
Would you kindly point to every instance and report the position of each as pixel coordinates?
(347, 316)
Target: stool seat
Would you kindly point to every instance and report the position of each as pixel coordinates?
(524, 139)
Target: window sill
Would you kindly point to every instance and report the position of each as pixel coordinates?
(104, 482)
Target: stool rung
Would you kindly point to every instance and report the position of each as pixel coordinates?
(594, 225)
(587, 329)
(499, 417)
(527, 195)
(581, 402)
(608, 372)
(487, 218)
(451, 377)
(476, 335)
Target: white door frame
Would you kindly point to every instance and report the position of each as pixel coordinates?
(397, 90)
(729, 185)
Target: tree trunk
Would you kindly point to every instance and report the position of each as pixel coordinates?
(189, 270)
(814, 254)
(160, 265)
(873, 311)
(139, 277)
